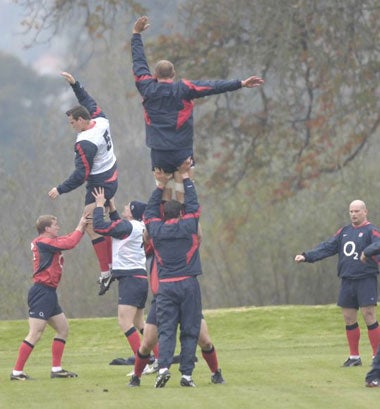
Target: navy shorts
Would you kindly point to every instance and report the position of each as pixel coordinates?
(152, 314)
(358, 293)
(133, 291)
(43, 302)
(110, 189)
(169, 161)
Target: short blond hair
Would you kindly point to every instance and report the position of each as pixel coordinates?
(44, 221)
(164, 70)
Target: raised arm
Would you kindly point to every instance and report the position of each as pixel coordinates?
(83, 97)
(119, 228)
(140, 66)
(191, 204)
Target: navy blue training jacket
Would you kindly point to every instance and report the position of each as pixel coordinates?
(348, 242)
(168, 106)
(175, 241)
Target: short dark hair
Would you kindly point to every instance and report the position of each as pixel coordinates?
(164, 70)
(172, 209)
(44, 221)
(79, 111)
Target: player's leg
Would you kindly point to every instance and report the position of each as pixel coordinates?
(367, 296)
(348, 302)
(61, 326)
(372, 378)
(102, 250)
(41, 300)
(148, 342)
(126, 314)
(209, 353)
(190, 324)
(369, 315)
(350, 316)
(133, 292)
(36, 329)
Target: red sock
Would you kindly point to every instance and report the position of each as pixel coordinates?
(211, 358)
(140, 363)
(101, 249)
(353, 337)
(109, 249)
(134, 339)
(23, 354)
(57, 348)
(374, 336)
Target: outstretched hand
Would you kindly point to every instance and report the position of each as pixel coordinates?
(141, 25)
(299, 258)
(68, 77)
(252, 82)
(53, 193)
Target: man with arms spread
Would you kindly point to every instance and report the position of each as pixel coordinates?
(168, 108)
(358, 288)
(95, 163)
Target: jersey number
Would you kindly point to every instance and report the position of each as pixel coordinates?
(107, 138)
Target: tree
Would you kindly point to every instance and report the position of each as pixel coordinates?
(45, 19)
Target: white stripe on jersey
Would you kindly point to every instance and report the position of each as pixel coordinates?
(100, 135)
(129, 253)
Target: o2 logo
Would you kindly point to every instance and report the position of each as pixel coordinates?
(349, 249)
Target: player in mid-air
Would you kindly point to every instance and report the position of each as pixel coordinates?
(168, 109)
(95, 163)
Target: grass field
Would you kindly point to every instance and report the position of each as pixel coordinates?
(272, 358)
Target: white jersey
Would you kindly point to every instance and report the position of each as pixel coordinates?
(129, 253)
(100, 135)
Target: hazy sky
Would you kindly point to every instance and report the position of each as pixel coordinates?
(44, 58)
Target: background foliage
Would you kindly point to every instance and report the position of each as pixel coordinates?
(276, 166)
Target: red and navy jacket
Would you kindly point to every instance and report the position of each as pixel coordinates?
(47, 257)
(168, 105)
(86, 151)
(175, 241)
(118, 228)
(349, 242)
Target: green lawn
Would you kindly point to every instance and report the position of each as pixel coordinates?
(272, 358)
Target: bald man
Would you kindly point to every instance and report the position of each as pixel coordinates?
(358, 288)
